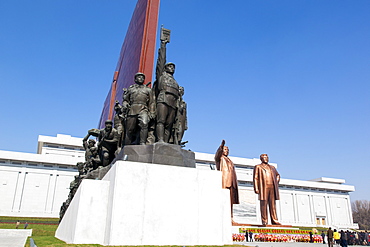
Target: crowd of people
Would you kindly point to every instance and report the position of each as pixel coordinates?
(345, 238)
(331, 237)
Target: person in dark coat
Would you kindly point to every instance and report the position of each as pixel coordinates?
(323, 237)
(246, 235)
(251, 236)
(343, 238)
(330, 235)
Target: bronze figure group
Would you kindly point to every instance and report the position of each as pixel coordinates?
(96, 157)
(265, 182)
(148, 115)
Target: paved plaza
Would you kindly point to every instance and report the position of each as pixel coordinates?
(14, 237)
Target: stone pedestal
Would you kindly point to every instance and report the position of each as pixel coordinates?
(158, 153)
(149, 204)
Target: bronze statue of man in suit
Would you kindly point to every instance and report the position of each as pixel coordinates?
(229, 180)
(266, 185)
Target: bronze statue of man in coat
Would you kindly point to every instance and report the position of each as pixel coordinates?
(229, 180)
(266, 185)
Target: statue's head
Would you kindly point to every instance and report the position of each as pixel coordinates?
(139, 78)
(225, 151)
(117, 107)
(181, 90)
(264, 158)
(108, 124)
(91, 142)
(170, 68)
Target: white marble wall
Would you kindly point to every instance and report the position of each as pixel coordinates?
(150, 204)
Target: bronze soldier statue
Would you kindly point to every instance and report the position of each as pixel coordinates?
(166, 92)
(181, 123)
(88, 144)
(166, 103)
(81, 168)
(118, 123)
(94, 160)
(108, 139)
(229, 180)
(139, 106)
(266, 185)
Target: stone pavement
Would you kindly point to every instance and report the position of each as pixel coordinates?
(14, 237)
(279, 244)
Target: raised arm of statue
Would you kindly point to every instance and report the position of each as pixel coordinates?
(161, 60)
(218, 154)
(84, 141)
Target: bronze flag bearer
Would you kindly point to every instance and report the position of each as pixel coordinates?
(266, 185)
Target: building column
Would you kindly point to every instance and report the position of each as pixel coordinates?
(328, 211)
(17, 200)
(51, 193)
(295, 204)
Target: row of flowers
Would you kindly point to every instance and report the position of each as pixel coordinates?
(238, 237)
(275, 231)
(262, 237)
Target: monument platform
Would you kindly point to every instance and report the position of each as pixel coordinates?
(137, 203)
(262, 226)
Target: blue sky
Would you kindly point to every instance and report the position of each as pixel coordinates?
(288, 78)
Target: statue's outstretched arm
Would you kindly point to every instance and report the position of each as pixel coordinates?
(84, 141)
(219, 154)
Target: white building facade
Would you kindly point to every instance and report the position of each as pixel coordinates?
(36, 185)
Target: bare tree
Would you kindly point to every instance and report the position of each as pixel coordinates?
(361, 213)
